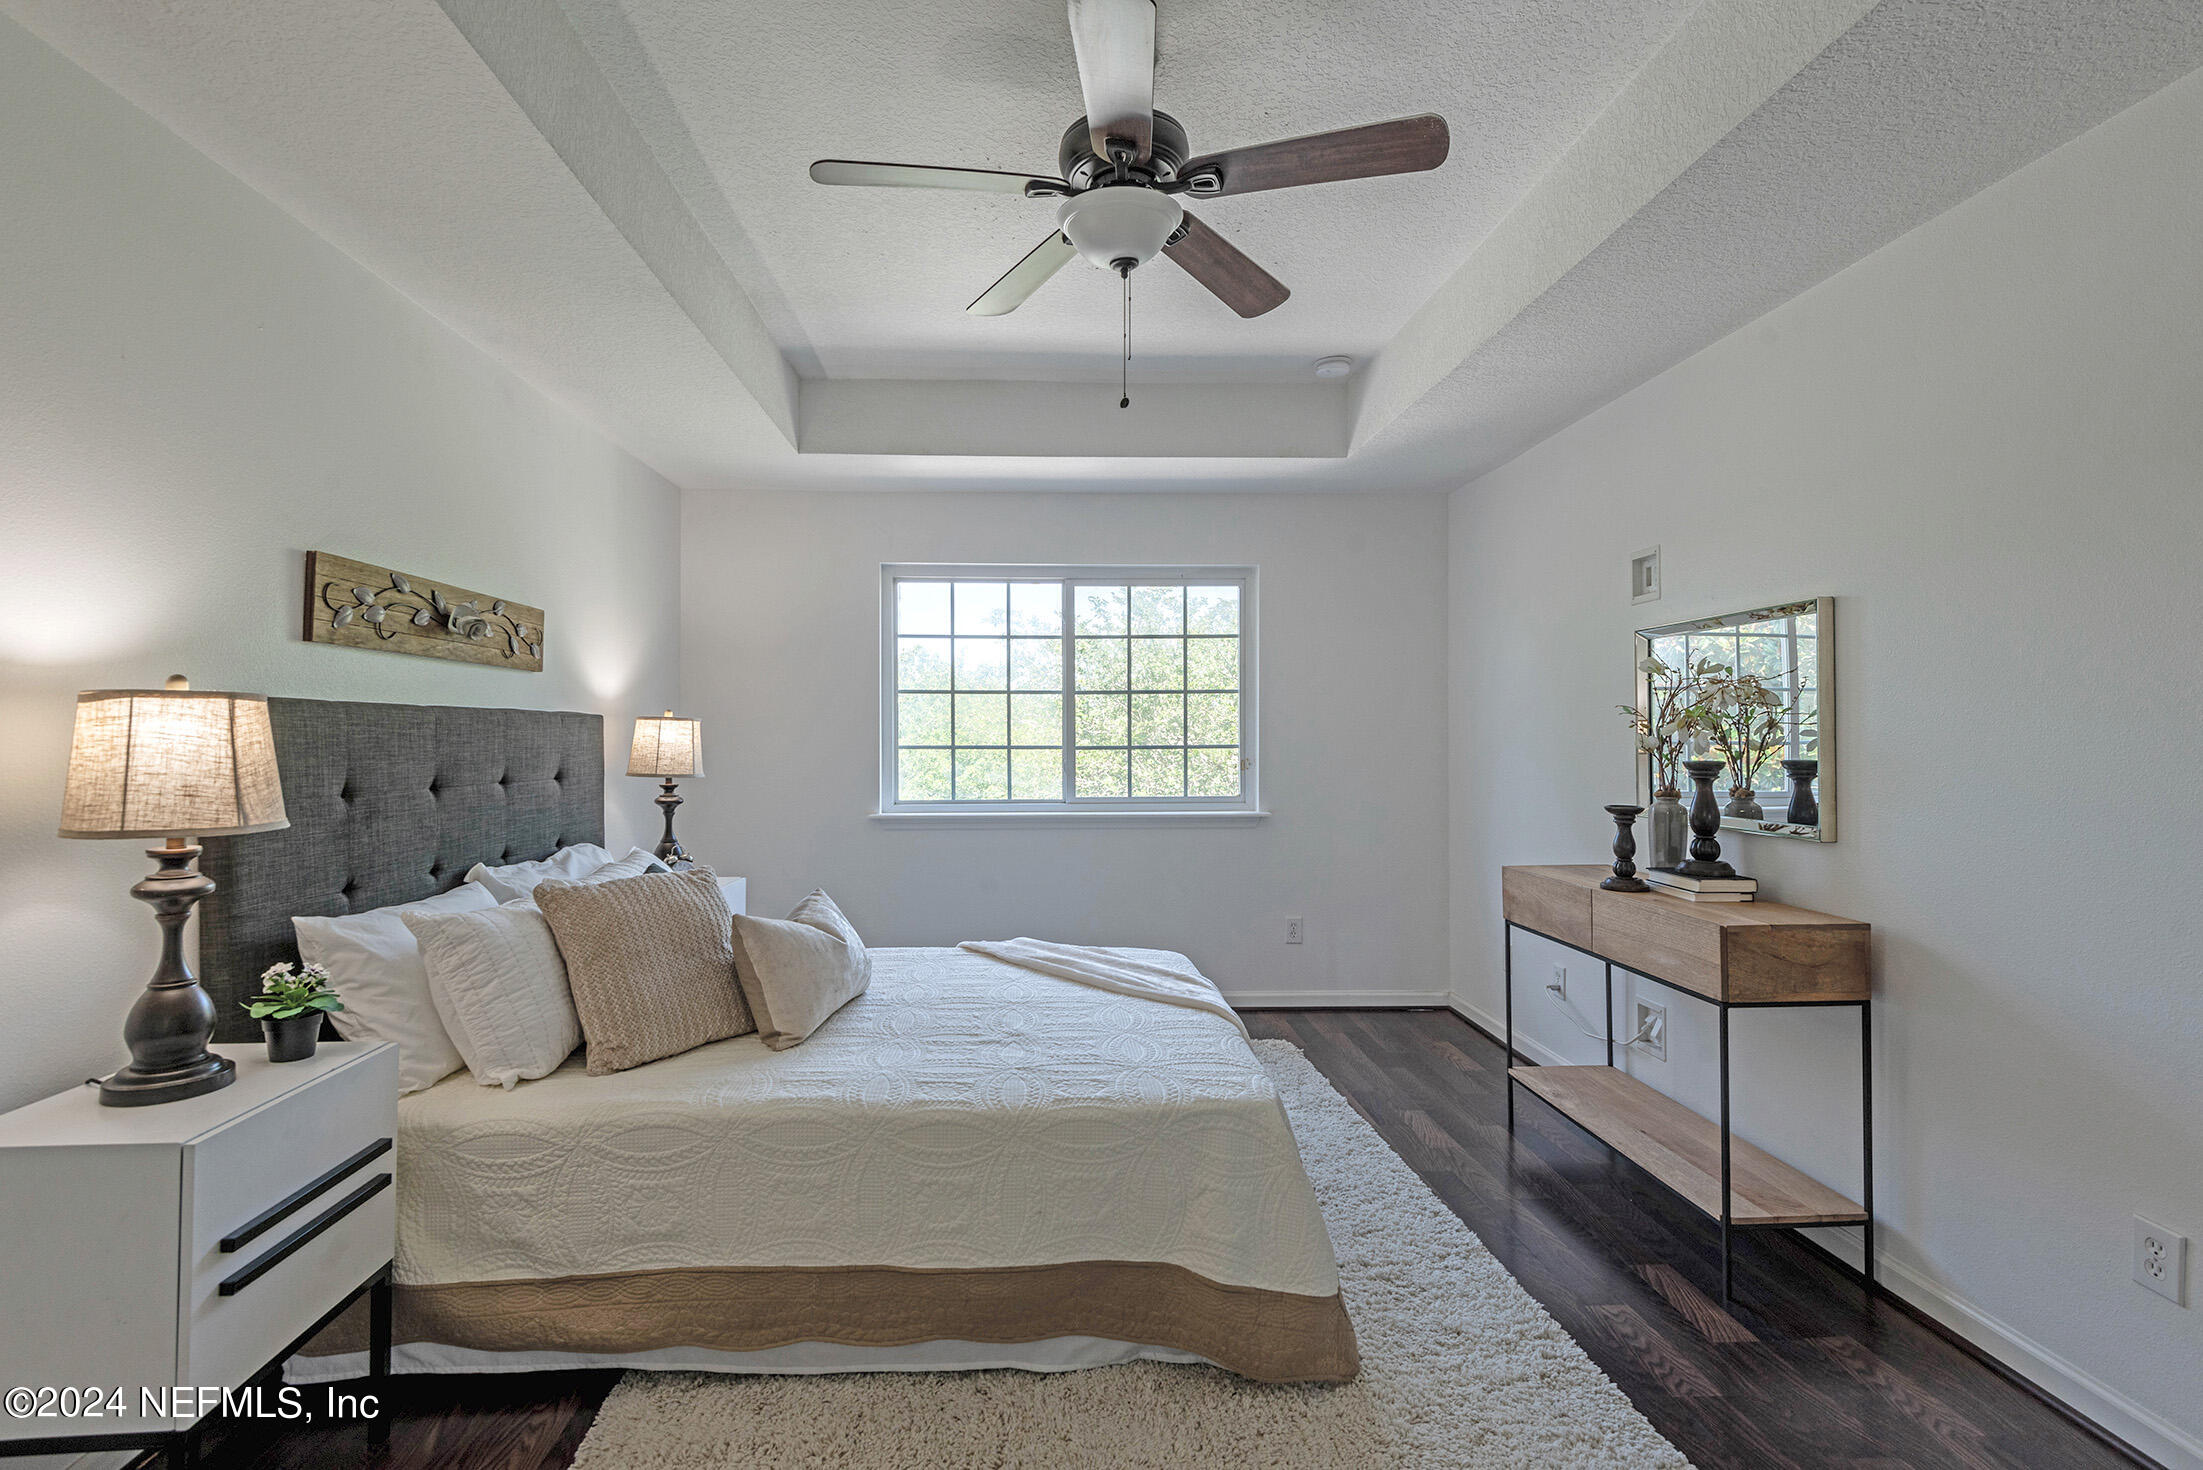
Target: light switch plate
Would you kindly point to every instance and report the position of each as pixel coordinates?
(1644, 576)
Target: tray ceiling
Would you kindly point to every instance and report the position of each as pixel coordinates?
(876, 280)
(610, 196)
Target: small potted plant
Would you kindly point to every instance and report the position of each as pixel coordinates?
(289, 1008)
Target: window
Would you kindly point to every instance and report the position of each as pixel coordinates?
(1040, 689)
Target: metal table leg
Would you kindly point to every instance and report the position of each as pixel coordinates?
(1610, 1013)
(1866, 1132)
(378, 1357)
(1727, 1205)
(1507, 1062)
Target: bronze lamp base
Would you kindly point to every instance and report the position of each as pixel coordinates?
(167, 1029)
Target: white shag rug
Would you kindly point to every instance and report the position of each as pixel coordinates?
(1460, 1368)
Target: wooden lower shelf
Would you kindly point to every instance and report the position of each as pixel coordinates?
(1683, 1150)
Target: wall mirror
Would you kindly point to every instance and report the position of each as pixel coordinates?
(1790, 790)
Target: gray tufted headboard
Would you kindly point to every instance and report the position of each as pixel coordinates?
(389, 803)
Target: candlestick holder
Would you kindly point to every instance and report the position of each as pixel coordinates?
(1804, 810)
(1705, 821)
(1625, 879)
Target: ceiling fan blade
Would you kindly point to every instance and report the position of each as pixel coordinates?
(925, 176)
(1115, 42)
(1026, 277)
(1220, 265)
(1405, 145)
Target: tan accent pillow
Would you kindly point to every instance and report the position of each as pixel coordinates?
(797, 971)
(650, 964)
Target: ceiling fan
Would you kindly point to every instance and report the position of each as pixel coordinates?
(1124, 166)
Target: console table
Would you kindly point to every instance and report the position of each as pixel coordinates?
(1729, 955)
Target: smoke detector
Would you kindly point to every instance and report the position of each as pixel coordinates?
(1334, 367)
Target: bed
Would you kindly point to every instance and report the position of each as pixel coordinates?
(971, 1165)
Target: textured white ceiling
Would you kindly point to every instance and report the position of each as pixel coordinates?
(609, 195)
(877, 279)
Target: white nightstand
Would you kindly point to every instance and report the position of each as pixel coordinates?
(735, 891)
(187, 1246)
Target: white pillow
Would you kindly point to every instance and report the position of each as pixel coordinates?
(375, 964)
(634, 865)
(796, 972)
(500, 987)
(516, 881)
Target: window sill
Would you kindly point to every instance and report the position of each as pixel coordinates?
(1233, 818)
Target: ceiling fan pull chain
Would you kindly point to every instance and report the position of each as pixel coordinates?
(1124, 368)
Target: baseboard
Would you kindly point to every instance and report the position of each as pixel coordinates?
(1330, 1000)
(2085, 1396)
(1496, 1028)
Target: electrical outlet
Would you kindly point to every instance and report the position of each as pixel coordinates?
(1650, 1021)
(1292, 930)
(1559, 983)
(2160, 1260)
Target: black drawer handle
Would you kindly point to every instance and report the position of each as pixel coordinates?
(273, 1214)
(297, 1238)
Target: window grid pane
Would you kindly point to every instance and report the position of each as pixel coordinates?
(1784, 652)
(1141, 701)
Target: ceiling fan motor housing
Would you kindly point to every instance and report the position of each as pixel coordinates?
(1119, 223)
(1077, 164)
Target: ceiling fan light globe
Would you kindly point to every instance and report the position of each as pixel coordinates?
(1109, 225)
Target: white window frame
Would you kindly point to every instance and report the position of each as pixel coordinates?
(1168, 810)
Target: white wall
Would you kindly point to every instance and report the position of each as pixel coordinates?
(194, 390)
(1986, 441)
(780, 658)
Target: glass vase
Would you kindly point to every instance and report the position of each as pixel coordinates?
(1668, 834)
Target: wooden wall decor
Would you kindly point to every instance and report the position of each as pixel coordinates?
(359, 605)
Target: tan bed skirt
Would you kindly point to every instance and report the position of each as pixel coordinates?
(1272, 1336)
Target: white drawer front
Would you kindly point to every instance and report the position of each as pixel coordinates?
(234, 1176)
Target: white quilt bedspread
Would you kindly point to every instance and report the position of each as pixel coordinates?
(1174, 984)
(962, 1113)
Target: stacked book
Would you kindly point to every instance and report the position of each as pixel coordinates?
(1702, 890)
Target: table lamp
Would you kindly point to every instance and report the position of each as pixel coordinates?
(666, 747)
(174, 763)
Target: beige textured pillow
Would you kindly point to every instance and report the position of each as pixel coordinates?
(650, 964)
(797, 971)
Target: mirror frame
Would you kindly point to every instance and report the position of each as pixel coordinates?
(1824, 627)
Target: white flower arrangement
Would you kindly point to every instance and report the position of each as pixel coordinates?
(287, 991)
(1676, 720)
(1745, 722)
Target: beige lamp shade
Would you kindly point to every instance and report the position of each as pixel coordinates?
(667, 746)
(175, 762)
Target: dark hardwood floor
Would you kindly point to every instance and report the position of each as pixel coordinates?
(1801, 1370)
